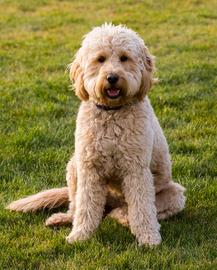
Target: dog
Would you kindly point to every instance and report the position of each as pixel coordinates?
(121, 161)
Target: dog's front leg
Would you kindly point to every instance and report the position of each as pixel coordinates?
(90, 202)
(139, 193)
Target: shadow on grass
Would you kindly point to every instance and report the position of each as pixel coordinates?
(189, 229)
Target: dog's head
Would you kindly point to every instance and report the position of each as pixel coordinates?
(112, 67)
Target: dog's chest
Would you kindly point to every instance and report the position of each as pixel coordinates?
(117, 141)
(108, 145)
(111, 142)
(109, 136)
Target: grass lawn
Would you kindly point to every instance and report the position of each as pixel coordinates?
(38, 111)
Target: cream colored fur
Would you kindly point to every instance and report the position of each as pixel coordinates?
(121, 157)
(51, 198)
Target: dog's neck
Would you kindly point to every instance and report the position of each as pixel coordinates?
(108, 108)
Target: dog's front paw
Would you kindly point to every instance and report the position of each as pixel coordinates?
(75, 236)
(151, 239)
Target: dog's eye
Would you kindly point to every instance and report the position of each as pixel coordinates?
(123, 58)
(101, 59)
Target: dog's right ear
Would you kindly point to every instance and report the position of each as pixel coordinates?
(76, 75)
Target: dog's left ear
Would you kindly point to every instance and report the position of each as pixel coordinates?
(76, 75)
(147, 73)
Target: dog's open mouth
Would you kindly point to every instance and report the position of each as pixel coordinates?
(113, 93)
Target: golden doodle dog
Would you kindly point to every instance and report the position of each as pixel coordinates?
(121, 161)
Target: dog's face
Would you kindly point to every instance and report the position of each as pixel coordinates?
(112, 67)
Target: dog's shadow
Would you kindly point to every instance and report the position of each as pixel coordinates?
(189, 226)
(185, 230)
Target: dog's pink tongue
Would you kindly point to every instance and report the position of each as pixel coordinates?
(113, 92)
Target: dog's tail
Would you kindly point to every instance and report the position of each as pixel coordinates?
(51, 198)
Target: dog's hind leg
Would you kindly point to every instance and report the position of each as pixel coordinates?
(60, 219)
(170, 200)
(117, 207)
(120, 214)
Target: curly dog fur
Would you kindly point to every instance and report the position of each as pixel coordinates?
(121, 159)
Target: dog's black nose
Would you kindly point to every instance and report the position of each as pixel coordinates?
(112, 78)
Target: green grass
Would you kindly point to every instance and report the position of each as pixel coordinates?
(38, 112)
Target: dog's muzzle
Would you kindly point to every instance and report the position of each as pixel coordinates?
(112, 91)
